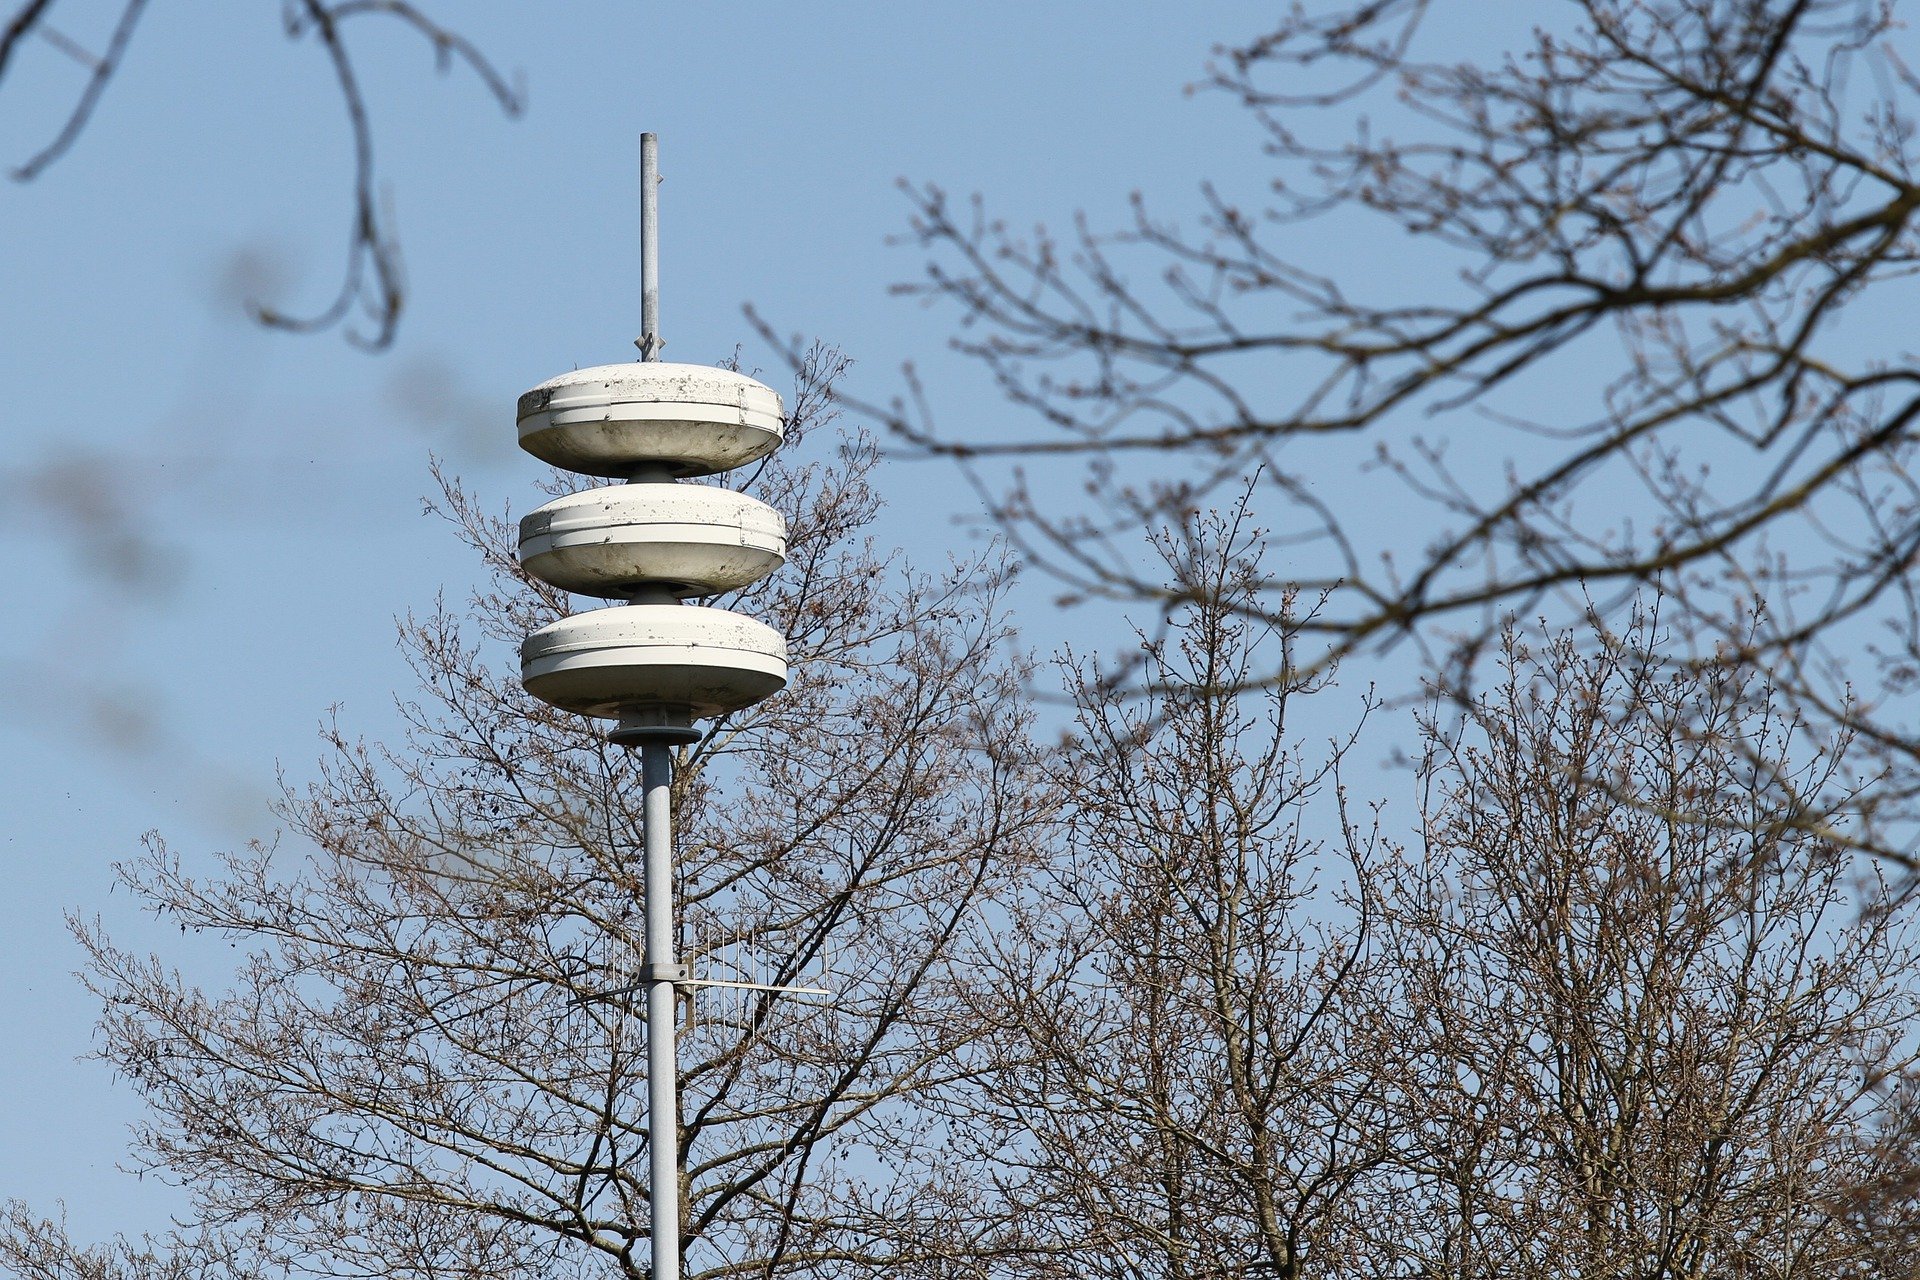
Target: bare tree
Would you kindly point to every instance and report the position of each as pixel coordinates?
(1569, 1032)
(1182, 1084)
(1648, 1024)
(1508, 318)
(1159, 1002)
(428, 1064)
(372, 287)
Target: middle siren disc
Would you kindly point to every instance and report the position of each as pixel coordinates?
(695, 540)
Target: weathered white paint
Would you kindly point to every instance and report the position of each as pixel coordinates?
(611, 662)
(614, 420)
(695, 540)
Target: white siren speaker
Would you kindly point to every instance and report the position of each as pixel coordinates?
(617, 663)
(618, 419)
(694, 540)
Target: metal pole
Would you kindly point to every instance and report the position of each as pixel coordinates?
(656, 772)
(649, 343)
(663, 1107)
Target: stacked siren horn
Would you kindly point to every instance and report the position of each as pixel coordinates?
(653, 666)
(656, 665)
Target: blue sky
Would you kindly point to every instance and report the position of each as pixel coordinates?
(210, 527)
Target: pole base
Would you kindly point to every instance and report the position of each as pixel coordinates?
(654, 724)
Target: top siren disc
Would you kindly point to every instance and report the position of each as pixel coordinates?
(619, 419)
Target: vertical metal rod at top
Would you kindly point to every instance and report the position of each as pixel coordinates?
(662, 969)
(649, 343)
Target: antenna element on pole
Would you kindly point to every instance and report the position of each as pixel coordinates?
(650, 340)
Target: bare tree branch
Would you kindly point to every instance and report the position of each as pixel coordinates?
(25, 19)
(1627, 343)
(103, 69)
(372, 284)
